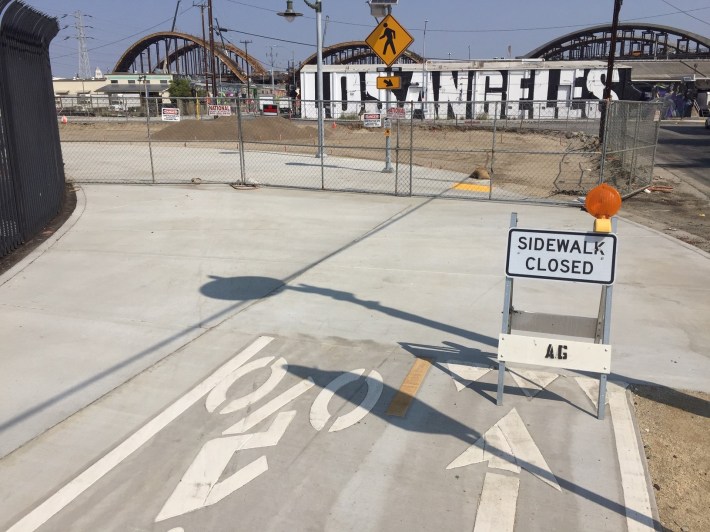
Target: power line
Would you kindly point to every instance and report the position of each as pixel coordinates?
(686, 12)
(141, 32)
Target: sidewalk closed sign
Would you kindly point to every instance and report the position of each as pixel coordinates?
(561, 255)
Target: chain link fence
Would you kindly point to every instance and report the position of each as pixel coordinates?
(527, 151)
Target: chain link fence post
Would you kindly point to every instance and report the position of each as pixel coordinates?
(150, 141)
(240, 140)
(411, 144)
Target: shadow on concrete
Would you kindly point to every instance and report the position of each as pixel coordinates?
(422, 417)
(339, 167)
(450, 351)
(233, 288)
(244, 288)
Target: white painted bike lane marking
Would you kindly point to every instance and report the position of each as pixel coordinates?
(200, 485)
(496, 511)
(65, 495)
(639, 517)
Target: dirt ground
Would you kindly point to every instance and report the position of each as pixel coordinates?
(675, 429)
(674, 425)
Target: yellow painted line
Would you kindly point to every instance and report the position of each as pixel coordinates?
(472, 188)
(401, 401)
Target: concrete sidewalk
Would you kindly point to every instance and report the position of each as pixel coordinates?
(150, 289)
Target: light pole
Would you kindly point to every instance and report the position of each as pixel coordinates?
(290, 15)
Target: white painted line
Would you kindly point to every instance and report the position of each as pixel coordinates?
(527, 454)
(319, 410)
(320, 415)
(539, 380)
(201, 486)
(518, 449)
(374, 390)
(498, 451)
(496, 508)
(639, 517)
(259, 415)
(218, 395)
(473, 455)
(464, 373)
(590, 387)
(65, 495)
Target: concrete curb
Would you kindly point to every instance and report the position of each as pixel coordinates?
(47, 244)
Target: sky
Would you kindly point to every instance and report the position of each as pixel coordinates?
(455, 29)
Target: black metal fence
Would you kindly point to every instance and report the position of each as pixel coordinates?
(31, 167)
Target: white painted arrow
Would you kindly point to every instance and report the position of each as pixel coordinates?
(508, 444)
(539, 380)
(464, 372)
(590, 387)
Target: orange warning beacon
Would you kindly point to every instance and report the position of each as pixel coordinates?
(603, 202)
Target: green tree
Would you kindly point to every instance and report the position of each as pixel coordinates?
(180, 88)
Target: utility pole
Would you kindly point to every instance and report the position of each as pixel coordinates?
(204, 46)
(212, 57)
(246, 51)
(84, 66)
(612, 49)
(272, 64)
(610, 69)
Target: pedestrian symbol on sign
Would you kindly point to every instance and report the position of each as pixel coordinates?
(389, 40)
(389, 35)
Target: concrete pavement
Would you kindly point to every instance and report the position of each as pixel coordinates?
(151, 290)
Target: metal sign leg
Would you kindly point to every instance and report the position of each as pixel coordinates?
(501, 383)
(601, 400)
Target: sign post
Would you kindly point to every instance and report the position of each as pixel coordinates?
(560, 256)
(389, 40)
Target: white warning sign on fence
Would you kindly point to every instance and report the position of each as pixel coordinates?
(372, 120)
(170, 114)
(219, 110)
(561, 255)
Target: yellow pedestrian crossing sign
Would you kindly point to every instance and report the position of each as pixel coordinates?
(389, 40)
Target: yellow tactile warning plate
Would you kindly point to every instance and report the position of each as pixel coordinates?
(401, 401)
(472, 188)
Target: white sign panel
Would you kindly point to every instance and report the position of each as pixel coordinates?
(561, 255)
(220, 110)
(396, 112)
(554, 353)
(372, 120)
(171, 114)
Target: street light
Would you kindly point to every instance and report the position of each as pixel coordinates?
(290, 15)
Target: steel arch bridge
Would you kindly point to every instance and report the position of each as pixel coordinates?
(634, 41)
(184, 54)
(356, 53)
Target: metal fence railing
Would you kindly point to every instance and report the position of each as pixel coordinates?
(31, 172)
(544, 151)
(630, 138)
